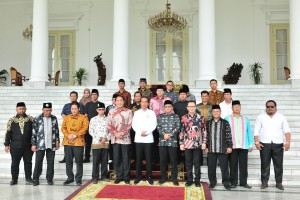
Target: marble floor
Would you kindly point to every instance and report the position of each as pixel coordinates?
(24, 191)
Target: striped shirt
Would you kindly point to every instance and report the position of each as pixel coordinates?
(242, 137)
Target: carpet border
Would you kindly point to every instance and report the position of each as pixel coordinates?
(207, 192)
(72, 195)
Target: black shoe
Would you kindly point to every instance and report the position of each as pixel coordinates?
(160, 182)
(233, 186)
(117, 181)
(246, 186)
(29, 180)
(127, 182)
(149, 181)
(137, 181)
(212, 186)
(63, 160)
(188, 183)
(279, 186)
(50, 182)
(227, 187)
(197, 184)
(86, 160)
(105, 179)
(78, 183)
(36, 182)
(13, 182)
(264, 185)
(95, 181)
(175, 183)
(68, 182)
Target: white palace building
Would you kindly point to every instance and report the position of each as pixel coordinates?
(68, 34)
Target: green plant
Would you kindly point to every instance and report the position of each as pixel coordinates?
(3, 72)
(255, 72)
(80, 76)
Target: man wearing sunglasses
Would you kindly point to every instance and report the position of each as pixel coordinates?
(270, 128)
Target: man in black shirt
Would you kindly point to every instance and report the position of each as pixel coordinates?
(180, 107)
(90, 111)
(18, 143)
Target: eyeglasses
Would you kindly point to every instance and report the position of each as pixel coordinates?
(270, 107)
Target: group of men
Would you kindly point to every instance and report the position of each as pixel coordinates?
(165, 127)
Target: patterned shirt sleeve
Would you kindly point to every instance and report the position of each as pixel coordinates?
(228, 135)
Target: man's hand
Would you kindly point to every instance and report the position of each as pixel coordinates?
(286, 146)
(57, 145)
(182, 147)
(118, 135)
(229, 150)
(7, 149)
(259, 146)
(144, 133)
(166, 136)
(251, 149)
(33, 148)
(203, 147)
(103, 141)
(206, 150)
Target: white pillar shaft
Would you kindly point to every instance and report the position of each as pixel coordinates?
(295, 39)
(207, 69)
(39, 56)
(120, 40)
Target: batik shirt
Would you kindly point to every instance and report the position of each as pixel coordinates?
(215, 97)
(168, 123)
(146, 93)
(193, 131)
(98, 130)
(127, 97)
(190, 97)
(157, 105)
(205, 110)
(172, 95)
(218, 136)
(38, 138)
(120, 120)
(77, 125)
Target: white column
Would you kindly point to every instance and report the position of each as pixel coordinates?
(120, 40)
(39, 56)
(207, 66)
(295, 42)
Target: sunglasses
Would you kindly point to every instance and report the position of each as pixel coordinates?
(270, 106)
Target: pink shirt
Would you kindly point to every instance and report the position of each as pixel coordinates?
(157, 105)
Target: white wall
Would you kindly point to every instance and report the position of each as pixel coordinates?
(242, 33)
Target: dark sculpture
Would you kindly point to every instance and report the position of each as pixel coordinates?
(101, 70)
(234, 74)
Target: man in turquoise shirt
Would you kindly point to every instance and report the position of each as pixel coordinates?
(243, 142)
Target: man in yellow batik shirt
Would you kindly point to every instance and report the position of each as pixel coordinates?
(74, 127)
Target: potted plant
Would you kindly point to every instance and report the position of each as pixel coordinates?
(255, 72)
(80, 76)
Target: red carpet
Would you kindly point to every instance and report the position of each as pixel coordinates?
(141, 192)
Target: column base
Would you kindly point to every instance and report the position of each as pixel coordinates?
(35, 84)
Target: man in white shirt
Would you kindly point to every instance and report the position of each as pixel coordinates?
(144, 123)
(270, 128)
(226, 105)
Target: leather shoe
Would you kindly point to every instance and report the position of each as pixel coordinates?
(68, 182)
(29, 180)
(63, 160)
(246, 186)
(117, 181)
(227, 187)
(160, 182)
(13, 182)
(50, 182)
(175, 182)
(233, 186)
(127, 182)
(197, 184)
(36, 182)
(212, 186)
(279, 186)
(188, 183)
(264, 185)
(95, 181)
(78, 182)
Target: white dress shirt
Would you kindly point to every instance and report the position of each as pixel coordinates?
(226, 109)
(144, 120)
(271, 129)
